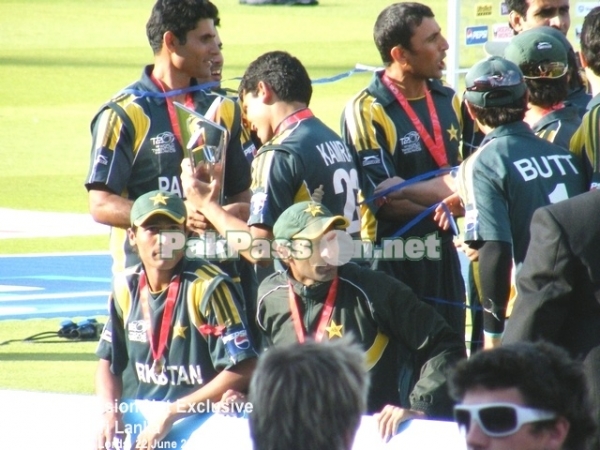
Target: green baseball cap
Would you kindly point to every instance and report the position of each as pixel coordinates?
(533, 47)
(306, 220)
(157, 202)
(494, 81)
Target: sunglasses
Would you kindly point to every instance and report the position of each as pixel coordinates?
(498, 419)
(546, 70)
(488, 82)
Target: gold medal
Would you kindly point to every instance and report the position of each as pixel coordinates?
(158, 366)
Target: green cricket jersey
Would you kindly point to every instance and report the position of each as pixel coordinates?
(207, 333)
(385, 143)
(135, 149)
(305, 157)
(559, 126)
(383, 315)
(511, 175)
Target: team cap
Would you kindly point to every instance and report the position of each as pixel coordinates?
(306, 220)
(494, 81)
(538, 54)
(157, 202)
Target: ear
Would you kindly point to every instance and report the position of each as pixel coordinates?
(170, 41)
(470, 110)
(516, 21)
(283, 249)
(131, 236)
(557, 435)
(266, 93)
(398, 54)
(583, 60)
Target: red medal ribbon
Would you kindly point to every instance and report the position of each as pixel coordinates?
(325, 313)
(189, 102)
(165, 325)
(434, 144)
(292, 119)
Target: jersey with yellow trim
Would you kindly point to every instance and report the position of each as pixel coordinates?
(385, 142)
(586, 143)
(559, 126)
(207, 297)
(304, 158)
(383, 315)
(135, 149)
(512, 174)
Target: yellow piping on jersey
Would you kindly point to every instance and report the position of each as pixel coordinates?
(375, 352)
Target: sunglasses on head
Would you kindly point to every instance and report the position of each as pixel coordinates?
(546, 70)
(488, 82)
(498, 419)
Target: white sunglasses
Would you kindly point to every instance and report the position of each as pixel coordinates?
(499, 419)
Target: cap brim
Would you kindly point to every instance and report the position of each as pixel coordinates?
(318, 227)
(175, 218)
(495, 48)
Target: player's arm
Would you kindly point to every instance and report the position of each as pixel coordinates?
(109, 208)
(424, 193)
(109, 388)
(495, 265)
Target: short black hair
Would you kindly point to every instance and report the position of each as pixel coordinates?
(396, 25)
(589, 39)
(284, 74)
(494, 116)
(179, 17)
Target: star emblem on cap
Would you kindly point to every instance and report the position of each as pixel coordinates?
(313, 209)
(334, 329)
(159, 199)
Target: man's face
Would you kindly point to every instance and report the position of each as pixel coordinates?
(196, 55)
(523, 439)
(428, 50)
(147, 240)
(552, 13)
(313, 269)
(257, 114)
(217, 61)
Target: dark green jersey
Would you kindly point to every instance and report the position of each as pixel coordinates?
(586, 143)
(207, 333)
(135, 149)
(511, 175)
(305, 157)
(383, 315)
(559, 125)
(386, 144)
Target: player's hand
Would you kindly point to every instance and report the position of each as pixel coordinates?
(154, 432)
(386, 184)
(111, 430)
(490, 342)
(229, 398)
(390, 418)
(196, 221)
(202, 185)
(454, 205)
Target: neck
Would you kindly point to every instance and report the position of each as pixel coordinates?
(158, 280)
(410, 85)
(282, 110)
(169, 77)
(534, 114)
(593, 80)
(483, 128)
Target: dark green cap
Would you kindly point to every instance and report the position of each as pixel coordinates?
(535, 46)
(494, 81)
(306, 220)
(157, 202)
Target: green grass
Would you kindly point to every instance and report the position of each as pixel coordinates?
(61, 366)
(61, 59)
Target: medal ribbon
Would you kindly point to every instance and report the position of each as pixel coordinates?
(434, 144)
(165, 325)
(292, 119)
(325, 313)
(189, 102)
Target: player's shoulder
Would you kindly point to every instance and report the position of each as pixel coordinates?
(200, 270)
